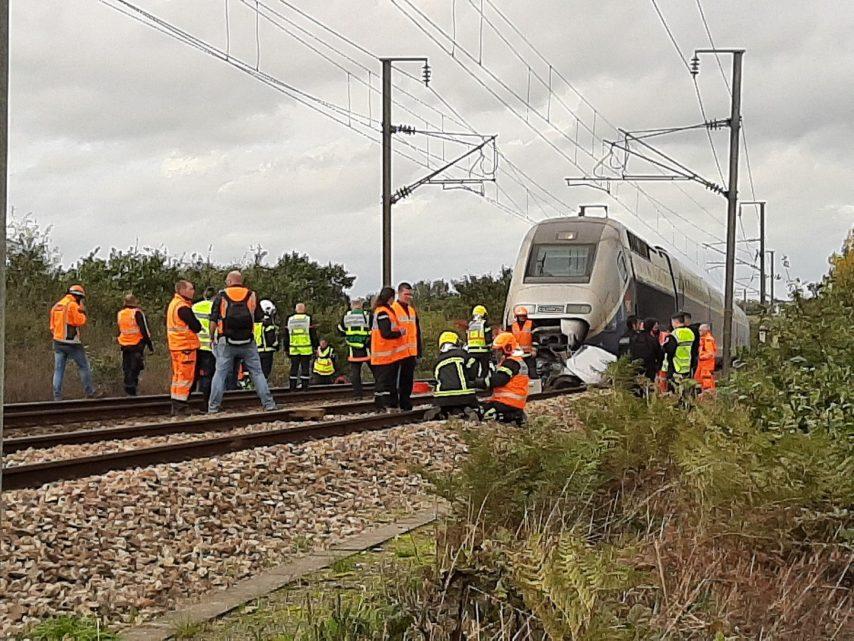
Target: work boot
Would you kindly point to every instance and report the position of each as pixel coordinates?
(180, 408)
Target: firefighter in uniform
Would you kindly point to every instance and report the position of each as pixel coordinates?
(456, 372)
(66, 318)
(479, 339)
(299, 340)
(182, 328)
(324, 363)
(356, 329)
(205, 361)
(267, 337)
(509, 382)
(523, 331)
(133, 338)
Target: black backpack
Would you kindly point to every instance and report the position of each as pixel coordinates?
(238, 319)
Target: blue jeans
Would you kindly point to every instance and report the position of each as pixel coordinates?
(225, 358)
(74, 351)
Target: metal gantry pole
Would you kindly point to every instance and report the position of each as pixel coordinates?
(732, 207)
(762, 252)
(386, 173)
(771, 251)
(4, 170)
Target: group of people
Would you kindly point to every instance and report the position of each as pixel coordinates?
(667, 358)
(229, 338)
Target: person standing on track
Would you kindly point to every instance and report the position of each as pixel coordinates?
(388, 349)
(300, 339)
(66, 318)
(407, 319)
(356, 329)
(182, 329)
(133, 338)
(205, 361)
(479, 339)
(267, 337)
(523, 331)
(233, 316)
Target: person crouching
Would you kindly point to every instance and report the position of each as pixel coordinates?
(455, 374)
(509, 382)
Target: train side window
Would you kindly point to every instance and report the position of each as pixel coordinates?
(637, 245)
(621, 266)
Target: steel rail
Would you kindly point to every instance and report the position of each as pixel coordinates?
(37, 474)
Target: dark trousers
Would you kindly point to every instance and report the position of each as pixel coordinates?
(205, 368)
(405, 379)
(385, 385)
(266, 363)
(323, 379)
(483, 360)
(300, 371)
(503, 413)
(133, 362)
(356, 377)
(531, 363)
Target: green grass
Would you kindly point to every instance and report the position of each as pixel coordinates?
(71, 628)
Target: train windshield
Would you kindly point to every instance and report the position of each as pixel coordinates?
(560, 263)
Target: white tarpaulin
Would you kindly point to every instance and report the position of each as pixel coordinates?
(589, 363)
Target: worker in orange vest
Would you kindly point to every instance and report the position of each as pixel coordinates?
(523, 331)
(388, 348)
(182, 329)
(66, 318)
(705, 375)
(407, 319)
(133, 338)
(509, 382)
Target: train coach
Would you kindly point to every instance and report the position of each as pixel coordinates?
(580, 278)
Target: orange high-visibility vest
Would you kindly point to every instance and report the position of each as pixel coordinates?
(66, 319)
(179, 335)
(406, 319)
(524, 335)
(515, 393)
(385, 351)
(129, 332)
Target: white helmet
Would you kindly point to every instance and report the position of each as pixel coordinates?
(268, 307)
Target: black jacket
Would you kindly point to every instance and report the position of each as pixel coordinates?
(644, 347)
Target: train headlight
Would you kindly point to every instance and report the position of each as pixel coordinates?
(578, 308)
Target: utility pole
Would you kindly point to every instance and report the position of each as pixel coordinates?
(761, 204)
(387, 131)
(4, 169)
(731, 194)
(771, 251)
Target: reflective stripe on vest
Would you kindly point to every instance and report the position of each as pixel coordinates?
(476, 336)
(515, 393)
(299, 336)
(524, 335)
(178, 334)
(456, 363)
(260, 331)
(406, 319)
(682, 357)
(356, 329)
(323, 365)
(202, 311)
(386, 350)
(129, 331)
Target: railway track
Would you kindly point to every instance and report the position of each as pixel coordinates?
(37, 474)
(22, 415)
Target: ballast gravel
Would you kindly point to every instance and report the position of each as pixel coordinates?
(126, 546)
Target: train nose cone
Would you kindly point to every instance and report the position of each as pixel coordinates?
(575, 331)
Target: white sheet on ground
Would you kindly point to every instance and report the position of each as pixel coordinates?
(589, 363)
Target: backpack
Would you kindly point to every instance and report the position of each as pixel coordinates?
(238, 319)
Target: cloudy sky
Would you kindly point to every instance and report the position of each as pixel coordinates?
(123, 135)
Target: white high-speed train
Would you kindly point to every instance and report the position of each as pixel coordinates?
(580, 278)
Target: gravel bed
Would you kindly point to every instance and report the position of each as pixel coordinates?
(60, 452)
(128, 545)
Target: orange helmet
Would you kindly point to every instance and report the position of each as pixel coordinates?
(77, 290)
(520, 310)
(506, 342)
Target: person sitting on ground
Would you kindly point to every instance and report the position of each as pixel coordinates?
(455, 374)
(509, 382)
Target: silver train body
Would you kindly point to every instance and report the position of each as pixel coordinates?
(580, 279)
